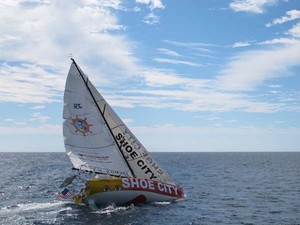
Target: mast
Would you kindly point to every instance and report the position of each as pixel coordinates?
(102, 114)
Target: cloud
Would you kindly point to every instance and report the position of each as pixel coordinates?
(195, 48)
(241, 44)
(190, 44)
(169, 52)
(166, 78)
(153, 4)
(151, 19)
(29, 83)
(9, 120)
(279, 41)
(114, 4)
(202, 138)
(36, 28)
(35, 50)
(35, 46)
(198, 49)
(38, 117)
(290, 15)
(275, 86)
(253, 6)
(177, 62)
(192, 95)
(42, 129)
(227, 92)
(250, 69)
(293, 37)
(38, 107)
(295, 31)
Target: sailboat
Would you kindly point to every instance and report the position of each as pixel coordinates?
(99, 143)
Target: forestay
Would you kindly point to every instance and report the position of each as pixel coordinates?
(97, 140)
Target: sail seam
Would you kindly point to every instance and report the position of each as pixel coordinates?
(76, 146)
(117, 126)
(90, 171)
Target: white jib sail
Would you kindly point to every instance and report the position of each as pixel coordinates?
(100, 129)
(88, 141)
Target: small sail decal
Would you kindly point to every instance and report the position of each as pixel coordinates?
(88, 140)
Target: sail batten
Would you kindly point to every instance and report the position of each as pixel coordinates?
(90, 122)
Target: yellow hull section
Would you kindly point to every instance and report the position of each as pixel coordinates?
(127, 191)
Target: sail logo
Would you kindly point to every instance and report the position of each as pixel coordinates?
(93, 157)
(81, 125)
(128, 149)
(77, 106)
(151, 185)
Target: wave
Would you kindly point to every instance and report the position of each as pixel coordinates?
(112, 209)
(31, 207)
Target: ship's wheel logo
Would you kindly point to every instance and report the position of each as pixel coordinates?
(81, 125)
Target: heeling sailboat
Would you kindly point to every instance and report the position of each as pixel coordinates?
(97, 141)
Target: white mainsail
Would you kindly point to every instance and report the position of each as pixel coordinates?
(96, 139)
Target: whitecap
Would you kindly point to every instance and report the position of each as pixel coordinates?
(161, 203)
(112, 209)
(30, 207)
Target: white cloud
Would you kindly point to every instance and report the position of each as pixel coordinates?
(43, 129)
(295, 31)
(203, 138)
(44, 46)
(205, 50)
(190, 97)
(41, 37)
(153, 4)
(190, 44)
(34, 35)
(151, 19)
(37, 116)
(290, 15)
(29, 84)
(196, 48)
(279, 41)
(178, 62)
(9, 120)
(241, 44)
(165, 78)
(115, 4)
(248, 70)
(169, 52)
(38, 107)
(275, 86)
(254, 6)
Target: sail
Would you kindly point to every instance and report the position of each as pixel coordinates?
(103, 126)
(88, 140)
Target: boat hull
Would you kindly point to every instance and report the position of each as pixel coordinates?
(126, 191)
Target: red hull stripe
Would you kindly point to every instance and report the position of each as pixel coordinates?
(137, 200)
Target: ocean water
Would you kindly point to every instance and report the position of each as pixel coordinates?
(221, 188)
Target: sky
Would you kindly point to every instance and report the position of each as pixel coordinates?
(184, 75)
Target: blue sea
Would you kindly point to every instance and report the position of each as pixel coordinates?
(221, 188)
